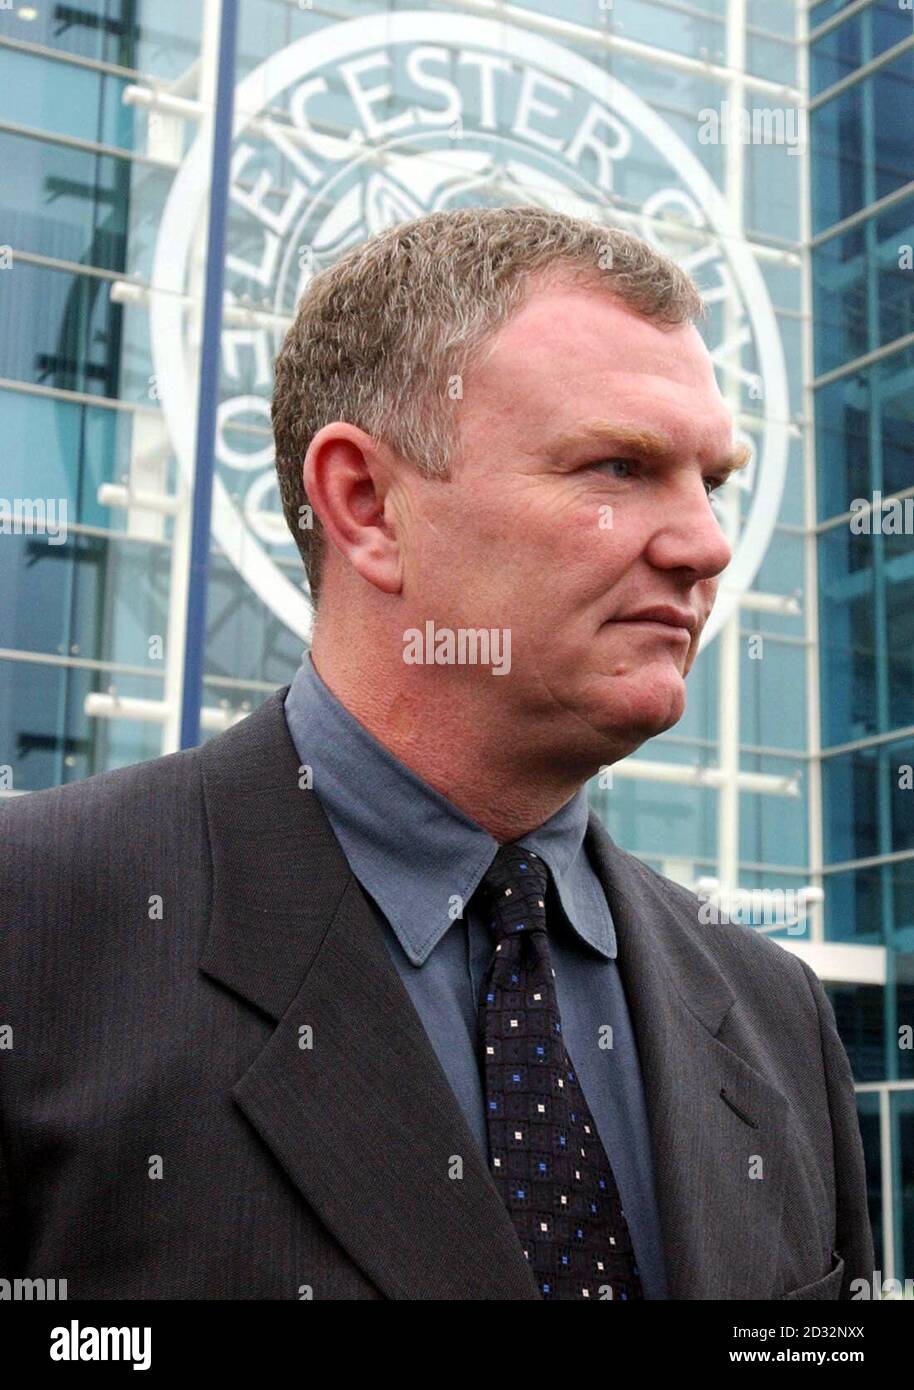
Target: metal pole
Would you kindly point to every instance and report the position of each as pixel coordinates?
(195, 635)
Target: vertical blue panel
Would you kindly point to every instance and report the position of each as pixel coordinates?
(195, 641)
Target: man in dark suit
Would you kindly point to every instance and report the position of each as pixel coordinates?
(359, 1000)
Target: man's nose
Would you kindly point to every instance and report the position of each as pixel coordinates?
(690, 535)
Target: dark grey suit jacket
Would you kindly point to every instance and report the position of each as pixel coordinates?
(171, 931)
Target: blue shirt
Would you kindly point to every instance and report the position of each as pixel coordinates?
(420, 860)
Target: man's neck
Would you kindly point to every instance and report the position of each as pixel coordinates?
(481, 769)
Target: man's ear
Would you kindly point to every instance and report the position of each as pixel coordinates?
(347, 477)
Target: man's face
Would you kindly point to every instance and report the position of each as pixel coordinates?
(563, 539)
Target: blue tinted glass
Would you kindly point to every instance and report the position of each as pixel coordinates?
(660, 25)
(824, 9)
(897, 560)
(63, 98)
(160, 37)
(54, 589)
(63, 203)
(99, 598)
(863, 144)
(864, 435)
(869, 800)
(902, 1127)
(864, 287)
(683, 819)
(767, 670)
(871, 1135)
(63, 449)
(867, 648)
(45, 731)
(48, 736)
(847, 656)
(773, 174)
(244, 640)
(772, 829)
(854, 900)
(58, 329)
(861, 37)
(837, 183)
(775, 59)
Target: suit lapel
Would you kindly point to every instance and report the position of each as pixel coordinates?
(358, 1111)
(714, 1121)
(347, 1092)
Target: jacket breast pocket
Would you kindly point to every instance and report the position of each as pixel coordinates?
(828, 1286)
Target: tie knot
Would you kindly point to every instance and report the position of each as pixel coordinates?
(516, 884)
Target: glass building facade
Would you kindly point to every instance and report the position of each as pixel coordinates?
(766, 145)
(861, 98)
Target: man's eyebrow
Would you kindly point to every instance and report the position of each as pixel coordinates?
(640, 440)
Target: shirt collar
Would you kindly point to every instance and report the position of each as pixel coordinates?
(408, 844)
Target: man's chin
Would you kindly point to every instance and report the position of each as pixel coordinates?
(653, 701)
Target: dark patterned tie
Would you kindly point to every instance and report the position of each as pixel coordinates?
(547, 1159)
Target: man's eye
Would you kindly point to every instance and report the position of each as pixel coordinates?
(614, 463)
(627, 465)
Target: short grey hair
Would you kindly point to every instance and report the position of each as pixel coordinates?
(380, 336)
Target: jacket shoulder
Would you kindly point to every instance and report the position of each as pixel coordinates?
(126, 801)
(111, 798)
(87, 842)
(733, 946)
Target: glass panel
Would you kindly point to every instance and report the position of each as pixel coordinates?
(773, 828)
(64, 450)
(768, 668)
(640, 815)
(898, 578)
(868, 1115)
(866, 626)
(903, 927)
(48, 736)
(664, 26)
(871, 801)
(901, 978)
(64, 203)
(863, 287)
(820, 10)
(857, 902)
(773, 177)
(100, 597)
(848, 674)
(62, 98)
(243, 641)
(861, 37)
(781, 573)
(770, 903)
(58, 329)
(160, 37)
(864, 436)
(860, 1019)
(902, 1112)
(774, 59)
(862, 143)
